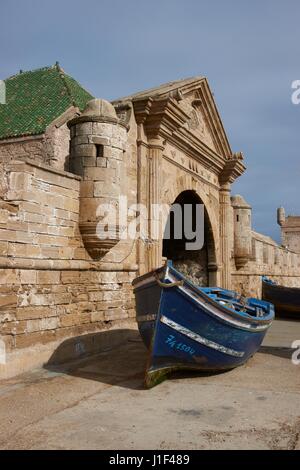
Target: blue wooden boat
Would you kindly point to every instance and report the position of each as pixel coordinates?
(286, 300)
(190, 327)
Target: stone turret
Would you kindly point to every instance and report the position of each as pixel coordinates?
(98, 142)
(290, 230)
(242, 230)
(280, 216)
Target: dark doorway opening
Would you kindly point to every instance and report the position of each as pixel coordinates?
(194, 264)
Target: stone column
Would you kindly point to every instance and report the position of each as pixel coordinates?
(155, 229)
(225, 227)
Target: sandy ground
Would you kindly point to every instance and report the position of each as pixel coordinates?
(100, 403)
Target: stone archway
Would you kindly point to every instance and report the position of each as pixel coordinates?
(200, 266)
(173, 186)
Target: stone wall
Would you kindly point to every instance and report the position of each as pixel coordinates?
(57, 147)
(49, 289)
(267, 259)
(290, 232)
(52, 147)
(22, 148)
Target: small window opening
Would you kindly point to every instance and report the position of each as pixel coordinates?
(237, 218)
(99, 150)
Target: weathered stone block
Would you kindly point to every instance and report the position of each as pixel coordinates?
(7, 235)
(69, 320)
(131, 313)
(100, 174)
(4, 216)
(30, 313)
(19, 181)
(95, 139)
(30, 339)
(97, 316)
(84, 128)
(80, 139)
(89, 162)
(42, 324)
(48, 277)
(9, 276)
(95, 296)
(36, 218)
(89, 207)
(85, 150)
(9, 342)
(116, 153)
(76, 165)
(115, 314)
(107, 151)
(8, 301)
(123, 277)
(13, 328)
(112, 295)
(63, 181)
(3, 248)
(84, 317)
(117, 143)
(106, 189)
(109, 277)
(28, 276)
(102, 129)
(101, 162)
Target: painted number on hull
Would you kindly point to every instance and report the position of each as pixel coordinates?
(172, 343)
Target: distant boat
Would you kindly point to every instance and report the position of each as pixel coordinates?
(286, 300)
(190, 327)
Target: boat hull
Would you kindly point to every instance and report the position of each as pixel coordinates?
(285, 299)
(147, 296)
(185, 331)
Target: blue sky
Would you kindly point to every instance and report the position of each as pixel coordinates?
(249, 51)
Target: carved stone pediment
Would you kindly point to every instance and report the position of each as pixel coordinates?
(198, 122)
(184, 113)
(186, 105)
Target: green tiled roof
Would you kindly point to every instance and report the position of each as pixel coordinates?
(35, 99)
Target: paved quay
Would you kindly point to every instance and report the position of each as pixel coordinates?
(100, 403)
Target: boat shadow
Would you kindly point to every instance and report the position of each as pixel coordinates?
(114, 357)
(284, 352)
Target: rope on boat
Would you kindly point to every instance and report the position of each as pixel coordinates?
(167, 285)
(243, 301)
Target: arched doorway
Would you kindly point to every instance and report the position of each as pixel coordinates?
(197, 265)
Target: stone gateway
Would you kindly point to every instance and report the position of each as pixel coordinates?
(64, 154)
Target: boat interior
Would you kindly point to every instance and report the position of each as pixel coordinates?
(228, 299)
(236, 302)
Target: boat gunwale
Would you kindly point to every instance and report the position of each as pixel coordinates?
(295, 290)
(283, 298)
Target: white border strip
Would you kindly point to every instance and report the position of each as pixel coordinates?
(200, 339)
